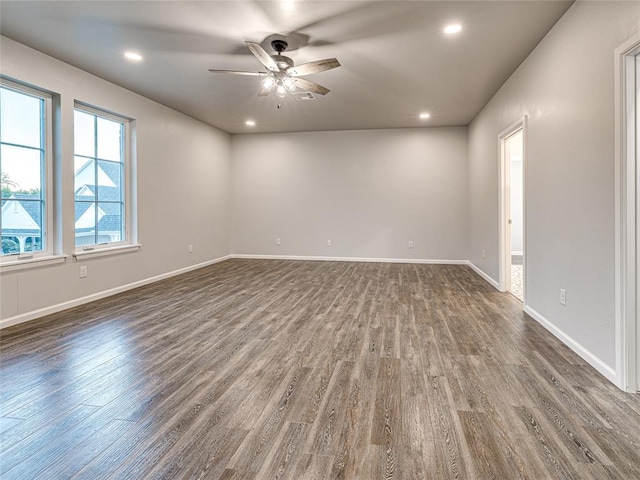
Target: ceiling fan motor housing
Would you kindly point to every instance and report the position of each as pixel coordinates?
(282, 61)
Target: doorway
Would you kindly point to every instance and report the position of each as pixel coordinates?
(512, 244)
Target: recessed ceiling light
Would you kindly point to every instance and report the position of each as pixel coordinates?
(453, 28)
(288, 6)
(424, 116)
(133, 56)
(250, 123)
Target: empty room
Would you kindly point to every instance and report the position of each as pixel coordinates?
(309, 239)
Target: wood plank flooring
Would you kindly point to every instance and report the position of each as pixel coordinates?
(264, 369)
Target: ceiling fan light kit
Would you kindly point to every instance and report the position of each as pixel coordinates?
(283, 75)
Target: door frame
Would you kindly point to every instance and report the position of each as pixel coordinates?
(626, 217)
(504, 275)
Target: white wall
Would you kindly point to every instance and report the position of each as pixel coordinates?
(183, 189)
(566, 87)
(369, 192)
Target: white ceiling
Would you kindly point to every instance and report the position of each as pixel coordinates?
(396, 61)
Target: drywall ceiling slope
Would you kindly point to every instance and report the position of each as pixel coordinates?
(396, 60)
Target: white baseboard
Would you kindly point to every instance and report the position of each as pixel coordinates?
(25, 317)
(585, 354)
(493, 283)
(349, 259)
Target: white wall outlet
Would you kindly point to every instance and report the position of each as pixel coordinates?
(278, 242)
(190, 248)
(328, 243)
(410, 244)
(83, 271)
(483, 253)
(563, 297)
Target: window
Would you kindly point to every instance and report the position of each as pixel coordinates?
(100, 147)
(25, 169)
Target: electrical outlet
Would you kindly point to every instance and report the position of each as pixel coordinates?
(328, 243)
(83, 271)
(190, 248)
(410, 245)
(563, 297)
(278, 242)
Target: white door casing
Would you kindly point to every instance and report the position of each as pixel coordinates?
(627, 190)
(504, 278)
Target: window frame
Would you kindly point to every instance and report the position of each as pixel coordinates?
(46, 176)
(127, 241)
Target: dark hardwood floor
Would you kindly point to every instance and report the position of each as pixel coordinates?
(253, 369)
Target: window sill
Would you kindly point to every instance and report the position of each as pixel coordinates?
(102, 252)
(33, 262)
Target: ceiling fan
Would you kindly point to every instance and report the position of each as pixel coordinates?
(282, 74)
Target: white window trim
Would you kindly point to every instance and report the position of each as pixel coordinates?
(31, 258)
(129, 241)
(32, 262)
(107, 250)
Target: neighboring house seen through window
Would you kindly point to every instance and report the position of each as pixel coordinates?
(25, 169)
(100, 145)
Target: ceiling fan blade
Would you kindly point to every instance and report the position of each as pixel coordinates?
(263, 56)
(313, 67)
(238, 72)
(310, 86)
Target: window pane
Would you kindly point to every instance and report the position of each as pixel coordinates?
(99, 180)
(109, 181)
(33, 244)
(20, 118)
(109, 141)
(85, 179)
(21, 224)
(84, 139)
(85, 223)
(110, 224)
(10, 244)
(21, 171)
